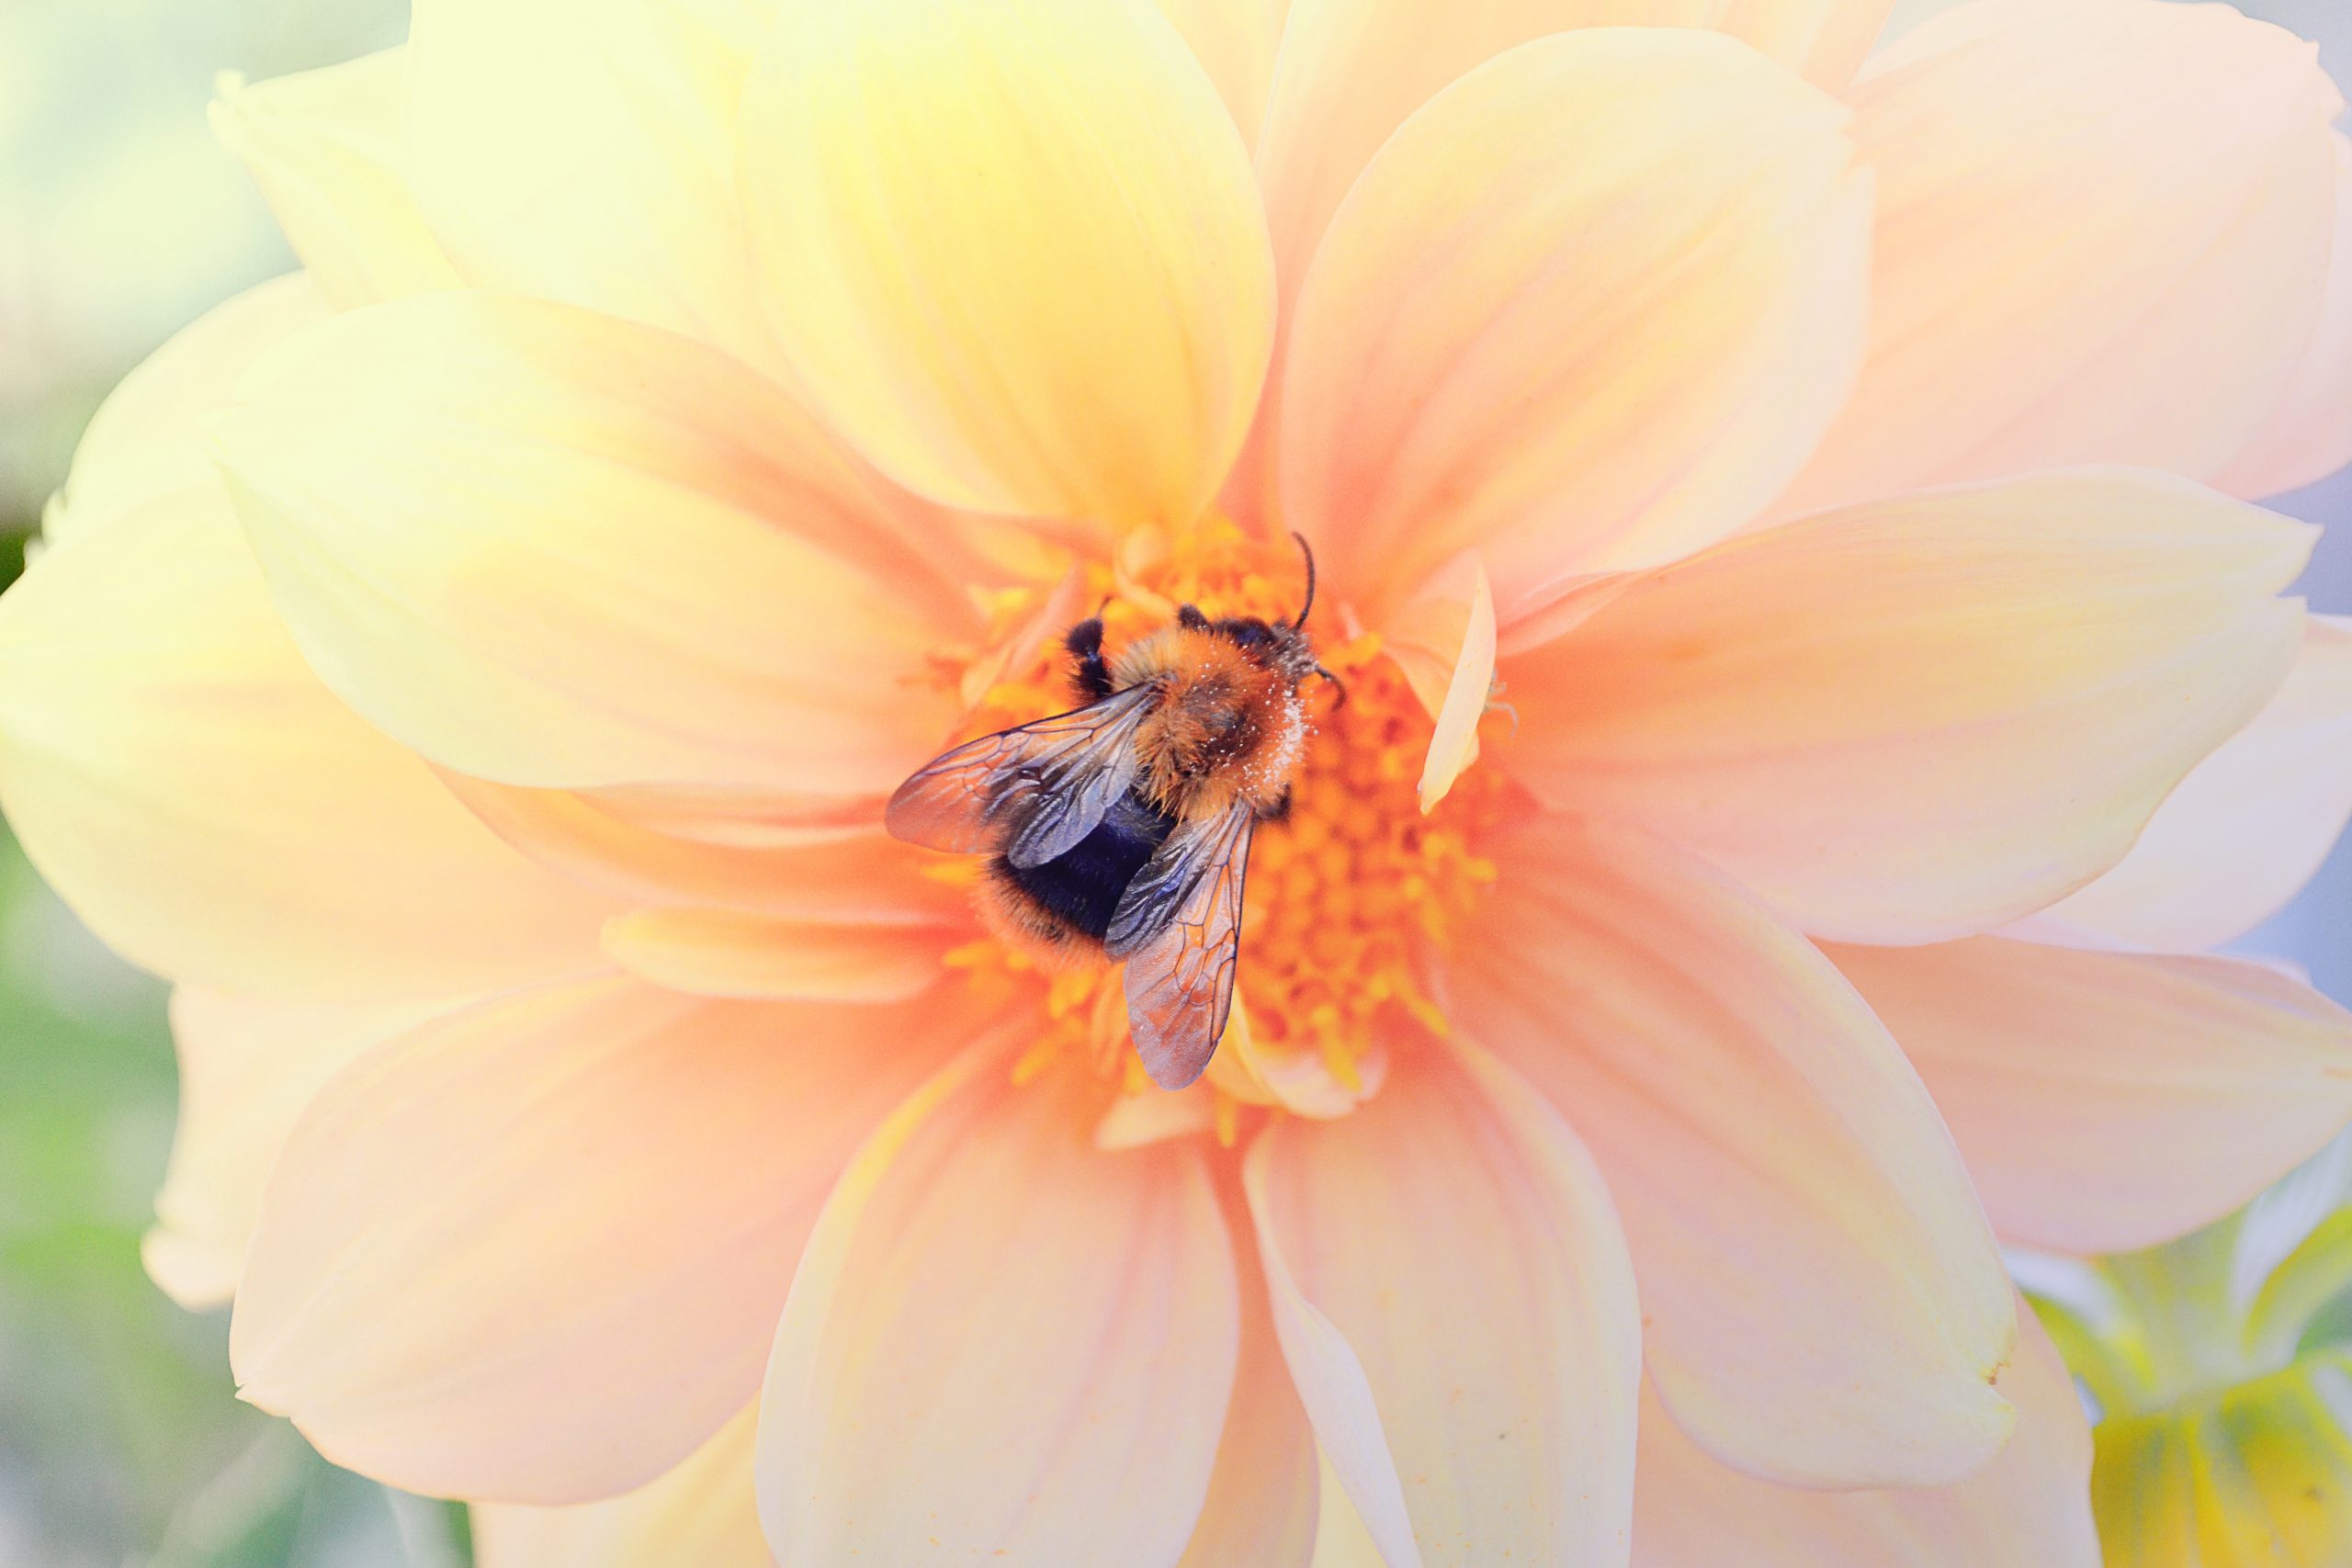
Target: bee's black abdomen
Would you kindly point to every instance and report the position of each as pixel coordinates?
(1081, 889)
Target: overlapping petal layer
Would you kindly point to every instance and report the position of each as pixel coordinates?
(1589, 309)
(550, 547)
(1002, 1345)
(534, 1252)
(1925, 716)
(2105, 1101)
(2103, 237)
(1457, 1197)
(1012, 247)
(1821, 1297)
(701, 1512)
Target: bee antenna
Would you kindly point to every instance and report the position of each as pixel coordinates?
(1299, 620)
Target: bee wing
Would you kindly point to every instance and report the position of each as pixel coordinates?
(1179, 928)
(1042, 787)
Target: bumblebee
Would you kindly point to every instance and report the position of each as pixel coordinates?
(1120, 831)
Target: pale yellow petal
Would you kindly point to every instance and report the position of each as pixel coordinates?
(248, 1069)
(325, 148)
(1822, 1300)
(1235, 41)
(534, 1251)
(2108, 1102)
(1004, 1345)
(1012, 247)
(1927, 717)
(586, 154)
(1444, 639)
(1453, 1296)
(550, 547)
(731, 952)
(700, 1515)
(2103, 237)
(1589, 309)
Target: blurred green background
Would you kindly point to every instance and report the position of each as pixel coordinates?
(121, 1441)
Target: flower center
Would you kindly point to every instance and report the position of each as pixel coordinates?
(1350, 896)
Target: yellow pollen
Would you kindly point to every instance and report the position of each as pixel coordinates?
(1347, 899)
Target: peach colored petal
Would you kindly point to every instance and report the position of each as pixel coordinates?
(2028, 1508)
(1823, 40)
(451, 495)
(2247, 827)
(247, 1071)
(1589, 309)
(1822, 1300)
(534, 1252)
(700, 1515)
(1444, 639)
(857, 874)
(180, 776)
(2309, 434)
(1148, 1115)
(2103, 236)
(1012, 247)
(1453, 1295)
(2106, 1102)
(728, 952)
(1235, 41)
(148, 436)
(586, 154)
(1926, 717)
(1003, 1345)
(325, 148)
(1262, 1496)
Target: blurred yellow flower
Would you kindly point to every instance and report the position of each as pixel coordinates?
(473, 671)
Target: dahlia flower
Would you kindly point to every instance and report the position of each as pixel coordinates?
(1815, 686)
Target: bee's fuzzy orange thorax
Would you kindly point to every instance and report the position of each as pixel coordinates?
(1227, 726)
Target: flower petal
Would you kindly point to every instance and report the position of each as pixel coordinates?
(248, 1069)
(2247, 827)
(534, 1252)
(586, 154)
(1823, 40)
(1013, 248)
(2309, 434)
(2028, 1508)
(1444, 639)
(325, 148)
(1452, 1295)
(214, 814)
(452, 493)
(1822, 1300)
(1930, 715)
(1569, 361)
(2084, 210)
(701, 1512)
(1235, 41)
(1004, 1344)
(727, 953)
(2108, 1102)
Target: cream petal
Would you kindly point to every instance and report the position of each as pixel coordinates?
(1822, 1300)
(1824, 41)
(325, 147)
(2108, 1102)
(1443, 640)
(2103, 233)
(1453, 1297)
(855, 873)
(1590, 308)
(2028, 1508)
(728, 952)
(586, 154)
(215, 815)
(1012, 247)
(1926, 717)
(534, 1252)
(2309, 434)
(1004, 1344)
(1235, 41)
(248, 1069)
(452, 495)
(2247, 827)
(701, 1514)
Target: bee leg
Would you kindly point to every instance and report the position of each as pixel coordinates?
(1085, 644)
(1280, 811)
(1336, 681)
